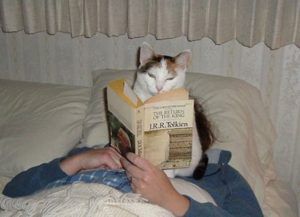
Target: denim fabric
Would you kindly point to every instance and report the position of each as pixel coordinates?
(229, 189)
(113, 178)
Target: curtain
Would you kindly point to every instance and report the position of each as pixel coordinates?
(274, 22)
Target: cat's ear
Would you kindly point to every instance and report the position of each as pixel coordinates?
(146, 53)
(183, 59)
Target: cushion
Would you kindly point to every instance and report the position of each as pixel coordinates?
(38, 122)
(235, 109)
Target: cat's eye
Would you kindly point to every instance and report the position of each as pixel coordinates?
(151, 75)
(171, 78)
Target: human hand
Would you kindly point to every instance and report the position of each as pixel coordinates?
(154, 185)
(106, 157)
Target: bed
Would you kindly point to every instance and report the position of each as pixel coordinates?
(39, 122)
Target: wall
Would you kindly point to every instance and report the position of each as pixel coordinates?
(62, 59)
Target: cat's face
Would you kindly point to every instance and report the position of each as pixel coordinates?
(161, 73)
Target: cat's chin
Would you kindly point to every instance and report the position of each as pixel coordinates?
(153, 93)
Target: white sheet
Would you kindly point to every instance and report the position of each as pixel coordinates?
(279, 201)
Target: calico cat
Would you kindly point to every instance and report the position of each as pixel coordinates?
(159, 73)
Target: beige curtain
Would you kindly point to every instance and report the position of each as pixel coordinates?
(275, 22)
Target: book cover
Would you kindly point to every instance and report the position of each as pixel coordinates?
(160, 129)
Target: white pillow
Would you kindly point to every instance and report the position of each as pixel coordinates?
(38, 122)
(234, 108)
(241, 125)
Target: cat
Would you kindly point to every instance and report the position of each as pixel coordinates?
(160, 73)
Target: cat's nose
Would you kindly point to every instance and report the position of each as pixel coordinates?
(159, 88)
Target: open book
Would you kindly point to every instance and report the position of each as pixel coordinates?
(160, 129)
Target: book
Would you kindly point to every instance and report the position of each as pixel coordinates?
(159, 129)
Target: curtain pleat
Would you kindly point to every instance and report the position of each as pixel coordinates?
(90, 17)
(197, 25)
(138, 26)
(275, 22)
(77, 17)
(11, 16)
(281, 23)
(50, 16)
(169, 22)
(249, 26)
(33, 16)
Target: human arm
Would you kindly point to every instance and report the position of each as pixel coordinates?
(154, 185)
(91, 159)
(238, 199)
(37, 178)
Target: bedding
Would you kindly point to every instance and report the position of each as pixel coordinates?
(77, 113)
(113, 203)
(81, 199)
(38, 122)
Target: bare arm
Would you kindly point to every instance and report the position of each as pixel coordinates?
(154, 185)
(38, 177)
(91, 159)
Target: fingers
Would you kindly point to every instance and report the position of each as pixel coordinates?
(115, 155)
(111, 158)
(139, 171)
(115, 151)
(132, 171)
(138, 161)
(99, 158)
(110, 163)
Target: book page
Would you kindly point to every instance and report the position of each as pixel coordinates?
(118, 87)
(130, 94)
(123, 111)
